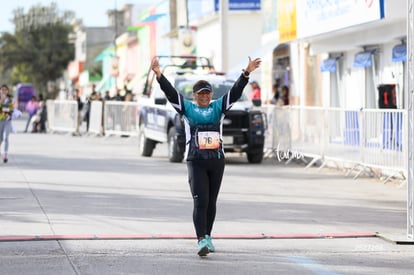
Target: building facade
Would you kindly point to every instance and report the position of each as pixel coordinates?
(342, 51)
(329, 53)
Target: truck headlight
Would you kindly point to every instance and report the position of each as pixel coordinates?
(257, 120)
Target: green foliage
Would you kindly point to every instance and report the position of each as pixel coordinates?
(95, 72)
(39, 49)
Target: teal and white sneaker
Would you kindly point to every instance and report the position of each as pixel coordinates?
(203, 248)
(210, 243)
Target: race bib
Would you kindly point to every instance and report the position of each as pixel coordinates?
(208, 140)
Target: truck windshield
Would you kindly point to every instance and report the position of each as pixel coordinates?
(220, 88)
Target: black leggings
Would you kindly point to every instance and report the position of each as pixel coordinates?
(205, 178)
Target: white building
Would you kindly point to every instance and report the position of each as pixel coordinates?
(359, 38)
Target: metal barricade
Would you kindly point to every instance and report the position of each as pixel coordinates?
(383, 140)
(278, 137)
(354, 140)
(342, 142)
(96, 118)
(307, 132)
(372, 138)
(62, 115)
(121, 118)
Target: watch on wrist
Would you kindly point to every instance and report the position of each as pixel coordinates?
(246, 73)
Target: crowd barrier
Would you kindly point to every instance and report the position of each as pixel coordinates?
(356, 140)
(121, 118)
(62, 115)
(96, 119)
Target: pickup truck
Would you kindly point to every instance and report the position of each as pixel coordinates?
(243, 126)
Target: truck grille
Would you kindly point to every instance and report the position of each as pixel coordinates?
(236, 120)
(236, 125)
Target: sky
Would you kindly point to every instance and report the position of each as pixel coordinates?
(92, 12)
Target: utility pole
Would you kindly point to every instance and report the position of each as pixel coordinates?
(224, 11)
(187, 24)
(116, 21)
(410, 120)
(115, 61)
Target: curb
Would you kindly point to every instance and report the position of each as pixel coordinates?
(185, 236)
(396, 240)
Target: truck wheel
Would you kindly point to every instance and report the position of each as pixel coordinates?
(174, 154)
(255, 157)
(146, 145)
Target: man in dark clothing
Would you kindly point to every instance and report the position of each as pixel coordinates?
(118, 96)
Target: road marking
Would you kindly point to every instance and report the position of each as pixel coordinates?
(311, 265)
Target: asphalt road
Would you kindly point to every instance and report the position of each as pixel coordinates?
(91, 205)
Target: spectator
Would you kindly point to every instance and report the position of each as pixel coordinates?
(31, 109)
(6, 114)
(39, 119)
(43, 115)
(118, 96)
(107, 96)
(256, 93)
(285, 95)
(98, 96)
(87, 106)
(80, 108)
(276, 96)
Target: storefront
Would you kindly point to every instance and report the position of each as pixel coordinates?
(359, 44)
(344, 50)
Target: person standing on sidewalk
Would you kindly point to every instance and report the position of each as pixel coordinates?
(256, 91)
(31, 108)
(204, 152)
(79, 101)
(6, 112)
(88, 106)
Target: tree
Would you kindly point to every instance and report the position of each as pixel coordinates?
(39, 50)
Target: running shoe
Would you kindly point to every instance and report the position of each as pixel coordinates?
(210, 244)
(203, 248)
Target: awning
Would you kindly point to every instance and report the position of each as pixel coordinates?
(149, 19)
(329, 65)
(153, 17)
(363, 59)
(399, 53)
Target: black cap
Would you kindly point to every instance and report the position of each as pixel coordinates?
(202, 86)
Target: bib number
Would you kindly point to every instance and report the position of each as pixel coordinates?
(208, 140)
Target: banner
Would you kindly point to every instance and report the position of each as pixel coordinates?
(286, 20)
(321, 16)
